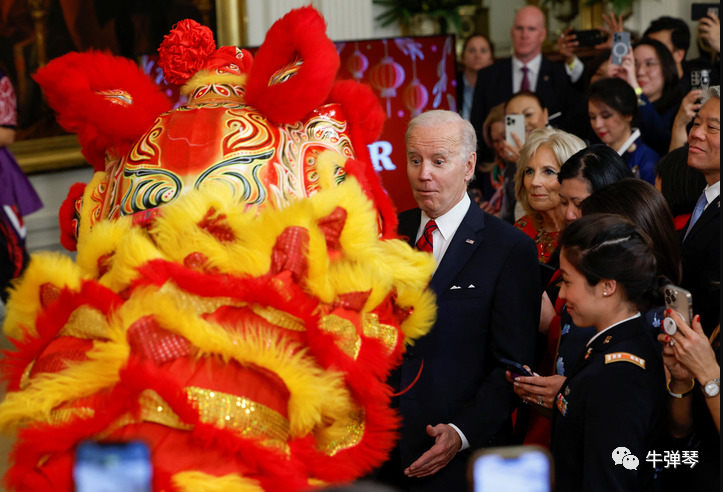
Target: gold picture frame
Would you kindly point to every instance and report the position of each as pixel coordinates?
(41, 154)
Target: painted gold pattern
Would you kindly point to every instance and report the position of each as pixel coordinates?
(348, 339)
(386, 334)
(242, 415)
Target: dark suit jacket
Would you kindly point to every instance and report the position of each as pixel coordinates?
(494, 86)
(488, 300)
(700, 255)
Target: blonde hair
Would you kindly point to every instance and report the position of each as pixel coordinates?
(562, 144)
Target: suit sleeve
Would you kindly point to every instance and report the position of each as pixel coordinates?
(514, 319)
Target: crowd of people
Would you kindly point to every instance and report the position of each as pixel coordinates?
(554, 249)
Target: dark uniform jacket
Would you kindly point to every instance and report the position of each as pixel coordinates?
(614, 398)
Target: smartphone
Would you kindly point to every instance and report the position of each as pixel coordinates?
(514, 123)
(515, 368)
(700, 10)
(511, 469)
(680, 300)
(590, 37)
(699, 79)
(621, 47)
(112, 467)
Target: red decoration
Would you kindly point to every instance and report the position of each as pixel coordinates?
(415, 97)
(357, 63)
(184, 50)
(387, 76)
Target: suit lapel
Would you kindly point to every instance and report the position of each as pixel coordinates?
(464, 243)
(544, 87)
(712, 212)
(409, 225)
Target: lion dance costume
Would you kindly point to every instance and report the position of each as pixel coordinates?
(238, 297)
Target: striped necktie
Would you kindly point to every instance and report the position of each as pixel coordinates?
(426, 241)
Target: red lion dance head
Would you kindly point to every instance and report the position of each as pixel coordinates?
(238, 297)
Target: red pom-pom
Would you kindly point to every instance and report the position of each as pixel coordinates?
(184, 51)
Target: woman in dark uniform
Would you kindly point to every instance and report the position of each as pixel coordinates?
(610, 411)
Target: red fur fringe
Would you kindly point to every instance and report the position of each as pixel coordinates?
(71, 84)
(301, 32)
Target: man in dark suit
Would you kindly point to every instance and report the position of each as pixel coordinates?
(454, 394)
(700, 251)
(527, 69)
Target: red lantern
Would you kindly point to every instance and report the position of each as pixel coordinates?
(357, 63)
(387, 76)
(415, 97)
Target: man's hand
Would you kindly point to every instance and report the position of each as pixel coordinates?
(446, 444)
(709, 31)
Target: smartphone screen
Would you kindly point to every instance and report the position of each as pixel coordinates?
(516, 469)
(112, 467)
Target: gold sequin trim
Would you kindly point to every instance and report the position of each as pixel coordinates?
(348, 339)
(64, 416)
(242, 415)
(199, 304)
(278, 318)
(351, 436)
(386, 334)
(86, 322)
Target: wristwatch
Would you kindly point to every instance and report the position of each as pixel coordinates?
(711, 388)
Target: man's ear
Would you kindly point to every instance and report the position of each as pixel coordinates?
(470, 166)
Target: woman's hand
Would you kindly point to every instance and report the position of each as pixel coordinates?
(512, 152)
(566, 45)
(612, 24)
(692, 349)
(539, 390)
(625, 71)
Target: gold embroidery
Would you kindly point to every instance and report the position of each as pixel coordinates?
(63, 416)
(386, 334)
(348, 339)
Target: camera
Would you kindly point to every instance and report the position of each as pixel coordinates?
(589, 37)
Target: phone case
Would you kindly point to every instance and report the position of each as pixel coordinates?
(621, 47)
(680, 300)
(514, 123)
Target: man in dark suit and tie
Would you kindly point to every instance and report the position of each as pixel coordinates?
(454, 396)
(700, 251)
(528, 70)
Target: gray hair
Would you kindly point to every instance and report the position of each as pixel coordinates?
(562, 144)
(713, 92)
(439, 117)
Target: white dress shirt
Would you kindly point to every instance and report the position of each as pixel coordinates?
(533, 72)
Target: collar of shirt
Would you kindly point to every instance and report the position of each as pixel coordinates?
(611, 326)
(711, 192)
(447, 225)
(532, 72)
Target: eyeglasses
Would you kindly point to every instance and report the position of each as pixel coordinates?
(647, 65)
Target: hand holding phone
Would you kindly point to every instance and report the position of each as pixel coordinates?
(515, 368)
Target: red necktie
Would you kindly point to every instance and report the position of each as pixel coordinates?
(426, 242)
(525, 86)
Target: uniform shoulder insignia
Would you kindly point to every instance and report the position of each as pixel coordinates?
(625, 357)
